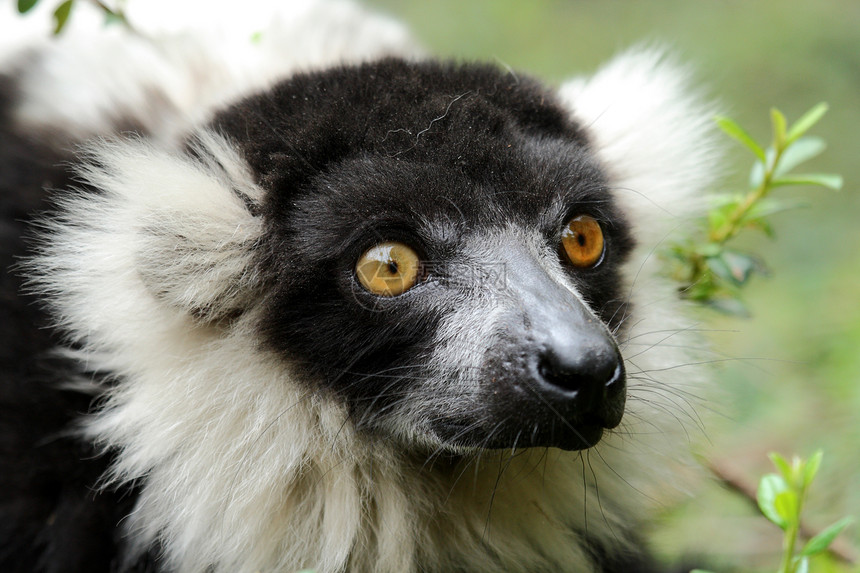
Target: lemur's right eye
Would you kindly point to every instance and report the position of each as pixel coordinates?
(388, 269)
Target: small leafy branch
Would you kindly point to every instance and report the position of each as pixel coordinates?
(709, 271)
(781, 497)
(63, 10)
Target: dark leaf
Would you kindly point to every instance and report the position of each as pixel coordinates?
(61, 15)
(740, 265)
(25, 6)
(729, 306)
(733, 267)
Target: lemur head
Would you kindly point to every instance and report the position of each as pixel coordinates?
(433, 246)
(441, 253)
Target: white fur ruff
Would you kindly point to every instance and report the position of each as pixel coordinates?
(241, 469)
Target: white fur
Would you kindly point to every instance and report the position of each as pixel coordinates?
(186, 58)
(654, 134)
(243, 470)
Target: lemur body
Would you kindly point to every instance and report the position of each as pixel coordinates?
(202, 375)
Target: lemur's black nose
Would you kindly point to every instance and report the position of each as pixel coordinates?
(589, 375)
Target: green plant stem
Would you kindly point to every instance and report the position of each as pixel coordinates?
(787, 565)
(733, 225)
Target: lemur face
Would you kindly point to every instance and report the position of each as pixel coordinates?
(444, 254)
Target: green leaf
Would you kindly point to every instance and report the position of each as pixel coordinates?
(782, 465)
(785, 504)
(771, 206)
(732, 129)
(25, 6)
(757, 215)
(779, 128)
(728, 306)
(740, 265)
(822, 541)
(734, 267)
(718, 200)
(720, 267)
(770, 486)
(61, 15)
(798, 152)
(762, 225)
(756, 175)
(811, 467)
(829, 180)
(806, 122)
(112, 18)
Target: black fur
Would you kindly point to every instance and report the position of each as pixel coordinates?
(428, 154)
(51, 518)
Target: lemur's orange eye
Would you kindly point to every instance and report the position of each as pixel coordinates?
(388, 269)
(582, 241)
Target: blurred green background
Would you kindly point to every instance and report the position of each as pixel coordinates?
(794, 382)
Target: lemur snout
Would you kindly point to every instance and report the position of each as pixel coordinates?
(558, 378)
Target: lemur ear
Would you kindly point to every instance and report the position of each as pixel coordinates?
(654, 135)
(174, 226)
(198, 237)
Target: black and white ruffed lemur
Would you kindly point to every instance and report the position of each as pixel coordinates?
(281, 293)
